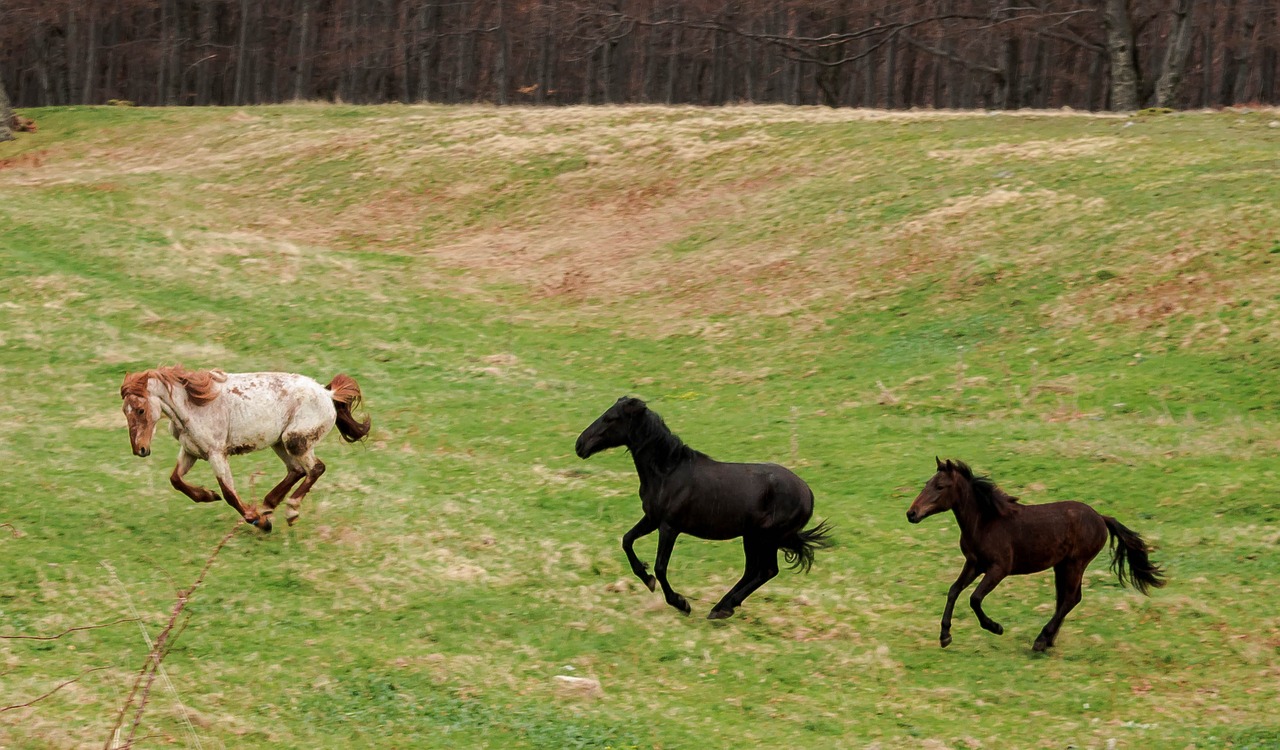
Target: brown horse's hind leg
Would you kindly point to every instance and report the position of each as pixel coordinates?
(198, 494)
(967, 574)
(989, 581)
(762, 566)
(1067, 577)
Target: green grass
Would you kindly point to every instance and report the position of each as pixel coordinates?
(1083, 307)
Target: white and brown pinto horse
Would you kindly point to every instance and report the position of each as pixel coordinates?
(215, 414)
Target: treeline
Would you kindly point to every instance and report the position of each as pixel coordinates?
(1096, 54)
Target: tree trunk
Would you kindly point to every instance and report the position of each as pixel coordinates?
(242, 54)
(300, 71)
(1124, 69)
(1176, 54)
(90, 56)
(6, 114)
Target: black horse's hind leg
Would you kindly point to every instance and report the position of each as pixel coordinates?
(666, 543)
(762, 565)
(644, 527)
(967, 574)
(989, 582)
(1067, 577)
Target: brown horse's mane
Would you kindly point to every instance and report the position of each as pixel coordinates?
(992, 501)
(199, 384)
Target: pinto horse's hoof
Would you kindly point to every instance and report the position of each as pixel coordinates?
(720, 614)
(652, 583)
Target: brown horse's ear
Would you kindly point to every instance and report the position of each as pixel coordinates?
(949, 466)
(938, 461)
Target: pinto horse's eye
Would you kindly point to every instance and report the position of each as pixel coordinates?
(138, 412)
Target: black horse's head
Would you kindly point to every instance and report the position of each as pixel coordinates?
(612, 429)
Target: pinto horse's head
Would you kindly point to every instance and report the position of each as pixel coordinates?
(939, 493)
(611, 429)
(141, 411)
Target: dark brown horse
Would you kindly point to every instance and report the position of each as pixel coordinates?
(685, 492)
(1001, 537)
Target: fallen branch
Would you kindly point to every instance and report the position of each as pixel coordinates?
(13, 529)
(68, 630)
(51, 692)
(155, 657)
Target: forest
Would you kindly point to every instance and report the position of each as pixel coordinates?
(957, 54)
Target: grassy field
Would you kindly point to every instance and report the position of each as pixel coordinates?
(1084, 307)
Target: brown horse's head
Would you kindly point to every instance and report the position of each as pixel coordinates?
(939, 493)
(611, 429)
(141, 410)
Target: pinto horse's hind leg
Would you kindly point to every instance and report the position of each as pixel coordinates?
(314, 468)
(762, 565)
(644, 527)
(1067, 577)
(294, 473)
(222, 470)
(992, 579)
(666, 543)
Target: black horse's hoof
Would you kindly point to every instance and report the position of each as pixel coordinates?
(682, 605)
(652, 583)
(1041, 646)
(720, 614)
(945, 640)
(996, 628)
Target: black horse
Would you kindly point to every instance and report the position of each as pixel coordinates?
(686, 492)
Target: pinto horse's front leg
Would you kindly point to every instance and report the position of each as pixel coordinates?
(198, 494)
(222, 470)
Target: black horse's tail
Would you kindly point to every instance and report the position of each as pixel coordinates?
(1130, 560)
(798, 548)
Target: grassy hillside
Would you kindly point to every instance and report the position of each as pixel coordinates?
(1084, 307)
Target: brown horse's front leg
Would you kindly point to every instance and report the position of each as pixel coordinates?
(222, 470)
(198, 494)
(666, 543)
(967, 574)
(643, 527)
(992, 579)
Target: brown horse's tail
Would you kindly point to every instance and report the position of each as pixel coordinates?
(798, 548)
(1131, 560)
(346, 396)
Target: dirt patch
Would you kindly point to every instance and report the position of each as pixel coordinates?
(1040, 150)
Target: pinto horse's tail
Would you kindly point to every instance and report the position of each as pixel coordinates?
(798, 548)
(346, 396)
(1131, 560)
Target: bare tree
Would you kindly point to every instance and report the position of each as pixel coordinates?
(6, 115)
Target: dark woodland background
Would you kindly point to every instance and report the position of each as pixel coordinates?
(1096, 54)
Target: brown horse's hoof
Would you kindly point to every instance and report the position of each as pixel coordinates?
(945, 640)
(720, 614)
(652, 583)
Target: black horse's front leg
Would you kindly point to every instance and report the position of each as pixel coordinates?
(642, 528)
(967, 574)
(666, 543)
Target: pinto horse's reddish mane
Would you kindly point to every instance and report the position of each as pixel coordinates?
(199, 384)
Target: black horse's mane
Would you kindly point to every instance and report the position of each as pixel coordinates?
(992, 501)
(651, 435)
